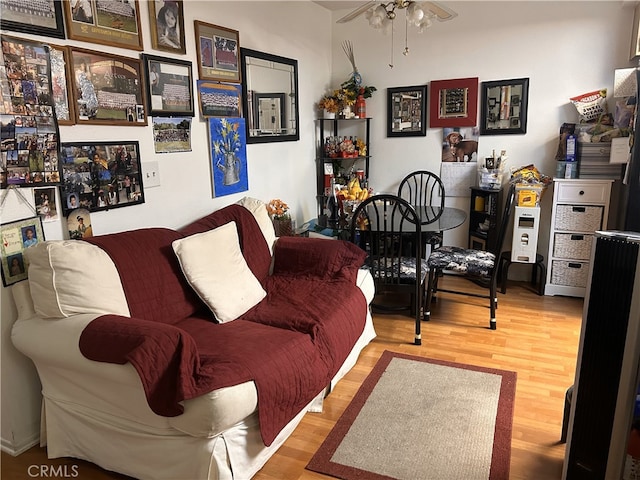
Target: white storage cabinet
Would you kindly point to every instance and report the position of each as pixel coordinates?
(580, 207)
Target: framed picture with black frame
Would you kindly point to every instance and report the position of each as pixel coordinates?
(169, 86)
(504, 107)
(101, 175)
(37, 18)
(407, 111)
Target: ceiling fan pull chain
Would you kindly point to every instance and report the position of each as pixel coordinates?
(406, 36)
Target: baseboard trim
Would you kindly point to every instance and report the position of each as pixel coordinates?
(15, 450)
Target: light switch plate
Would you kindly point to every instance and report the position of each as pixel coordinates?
(151, 172)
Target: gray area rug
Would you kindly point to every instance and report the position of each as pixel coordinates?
(416, 418)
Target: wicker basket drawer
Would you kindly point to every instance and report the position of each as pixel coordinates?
(572, 274)
(579, 218)
(571, 245)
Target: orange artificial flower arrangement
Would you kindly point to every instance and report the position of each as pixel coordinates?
(277, 209)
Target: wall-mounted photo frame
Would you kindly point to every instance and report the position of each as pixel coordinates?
(28, 126)
(37, 18)
(169, 86)
(407, 111)
(219, 99)
(218, 52)
(107, 89)
(634, 51)
(108, 22)
(454, 103)
(101, 175)
(166, 18)
(504, 107)
(16, 238)
(60, 81)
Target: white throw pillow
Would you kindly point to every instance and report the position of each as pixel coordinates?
(259, 210)
(68, 277)
(213, 264)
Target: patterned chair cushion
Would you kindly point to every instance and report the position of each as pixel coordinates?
(407, 268)
(462, 260)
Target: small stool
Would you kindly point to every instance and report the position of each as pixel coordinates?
(503, 271)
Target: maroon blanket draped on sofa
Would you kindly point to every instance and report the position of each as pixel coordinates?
(290, 345)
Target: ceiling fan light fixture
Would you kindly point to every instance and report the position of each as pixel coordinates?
(415, 14)
(424, 23)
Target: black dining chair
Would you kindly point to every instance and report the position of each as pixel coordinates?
(479, 266)
(384, 226)
(425, 189)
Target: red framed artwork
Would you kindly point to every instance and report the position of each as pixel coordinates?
(454, 103)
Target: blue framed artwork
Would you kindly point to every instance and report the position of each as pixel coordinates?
(228, 156)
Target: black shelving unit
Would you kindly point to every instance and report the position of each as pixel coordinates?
(352, 127)
(484, 209)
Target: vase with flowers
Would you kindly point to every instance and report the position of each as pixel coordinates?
(330, 104)
(279, 213)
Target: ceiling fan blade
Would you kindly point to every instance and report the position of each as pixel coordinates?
(357, 12)
(441, 12)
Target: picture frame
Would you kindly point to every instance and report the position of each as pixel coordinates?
(30, 137)
(101, 175)
(219, 99)
(108, 22)
(16, 237)
(634, 51)
(228, 155)
(454, 103)
(407, 111)
(41, 18)
(62, 92)
(504, 105)
(166, 19)
(218, 52)
(169, 84)
(107, 89)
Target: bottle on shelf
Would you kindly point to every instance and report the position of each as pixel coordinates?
(332, 204)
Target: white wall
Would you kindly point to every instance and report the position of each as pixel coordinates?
(565, 48)
(299, 30)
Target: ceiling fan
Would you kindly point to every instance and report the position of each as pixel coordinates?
(382, 15)
(430, 9)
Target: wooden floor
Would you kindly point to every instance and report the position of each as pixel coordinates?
(537, 337)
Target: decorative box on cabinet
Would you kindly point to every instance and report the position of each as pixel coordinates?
(580, 207)
(484, 210)
(342, 166)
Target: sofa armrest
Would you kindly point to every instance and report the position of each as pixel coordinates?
(317, 258)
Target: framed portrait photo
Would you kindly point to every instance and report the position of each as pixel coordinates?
(101, 175)
(166, 18)
(42, 17)
(454, 103)
(16, 238)
(107, 89)
(169, 86)
(407, 111)
(109, 22)
(218, 52)
(504, 107)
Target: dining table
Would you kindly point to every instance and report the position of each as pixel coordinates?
(433, 220)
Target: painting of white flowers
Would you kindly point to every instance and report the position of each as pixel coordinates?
(228, 156)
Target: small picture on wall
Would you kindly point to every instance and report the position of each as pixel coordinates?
(16, 237)
(460, 144)
(172, 134)
(45, 200)
(79, 224)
